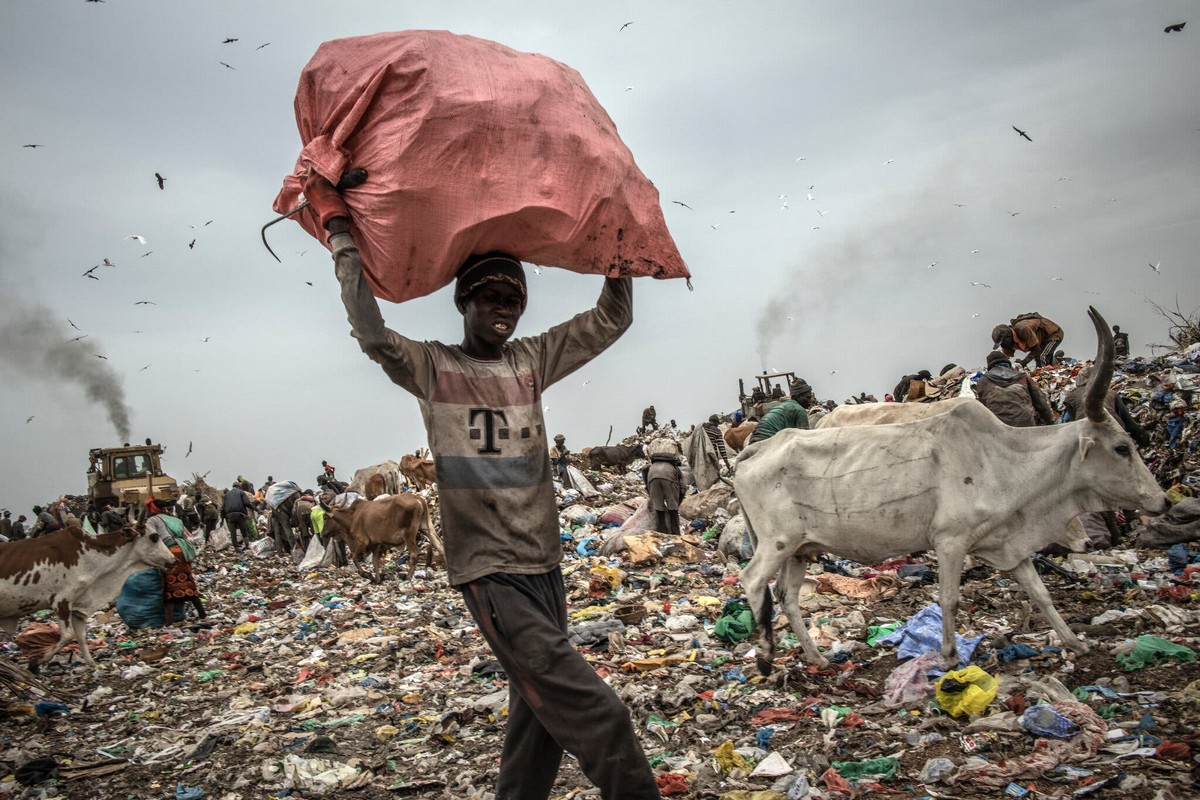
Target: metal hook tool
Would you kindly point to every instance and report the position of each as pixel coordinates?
(355, 176)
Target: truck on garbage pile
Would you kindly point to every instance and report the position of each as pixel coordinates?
(772, 389)
(128, 476)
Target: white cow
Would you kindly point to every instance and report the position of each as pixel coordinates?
(887, 413)
(74, 575)
(959, 483)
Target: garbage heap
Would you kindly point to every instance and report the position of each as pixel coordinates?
(315, 683)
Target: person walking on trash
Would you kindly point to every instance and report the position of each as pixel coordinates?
(482, 406)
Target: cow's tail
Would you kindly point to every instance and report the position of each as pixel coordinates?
(435, 540)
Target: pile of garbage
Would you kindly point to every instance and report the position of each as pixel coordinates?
(309, 683)
(305, 682)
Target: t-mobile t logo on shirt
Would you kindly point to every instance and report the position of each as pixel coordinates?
(490, 431)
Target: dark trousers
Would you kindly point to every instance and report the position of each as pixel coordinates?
(235, 520)
(556, 700)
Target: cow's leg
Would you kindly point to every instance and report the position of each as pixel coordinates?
(79, 626)
(356, 560)
(791, 578)
(950, 568)
(377, 561)
(67, 631)
(414, 553)
(756, 582)
(1031, 582)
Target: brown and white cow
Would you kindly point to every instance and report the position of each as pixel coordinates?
(74, 575)
(375, 526)
(420, 472)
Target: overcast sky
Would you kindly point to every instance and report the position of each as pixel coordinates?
(897, 118)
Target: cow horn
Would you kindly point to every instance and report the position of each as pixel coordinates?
(1097, 390)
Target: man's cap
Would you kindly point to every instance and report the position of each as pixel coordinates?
(995, 357)
(999, 332)
(558, 437)
(37, 509)
(488, 268)
(800, 386)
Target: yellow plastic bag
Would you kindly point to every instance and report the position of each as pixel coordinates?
(966, 691)
(727, 758)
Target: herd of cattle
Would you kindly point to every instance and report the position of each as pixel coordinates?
(869, 483)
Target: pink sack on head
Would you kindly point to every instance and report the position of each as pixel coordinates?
(472, 147)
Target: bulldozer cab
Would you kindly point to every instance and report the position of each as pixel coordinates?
(772, 388)
(128, 476)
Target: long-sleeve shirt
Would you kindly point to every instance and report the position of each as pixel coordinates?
(484, 422)
(788, 414)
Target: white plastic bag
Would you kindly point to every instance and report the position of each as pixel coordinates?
(313, 556)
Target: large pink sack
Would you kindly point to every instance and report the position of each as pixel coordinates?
(472, 147)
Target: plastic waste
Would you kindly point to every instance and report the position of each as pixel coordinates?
(1148, 650)
(1048, 721)
(735, 623)
(937, 770)
(922, 632)
(908, 683)
(877, 768)
(966, 691)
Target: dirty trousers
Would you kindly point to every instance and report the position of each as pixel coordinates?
(556, 700)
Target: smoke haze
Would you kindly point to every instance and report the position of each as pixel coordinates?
(32, 347)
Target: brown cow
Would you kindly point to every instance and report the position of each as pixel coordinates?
(418, 471)
(376, 485)
(736, 438)
(618, 455)
(375, 526)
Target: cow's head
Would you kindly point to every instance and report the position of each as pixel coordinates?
(149, 548)
(1110, 469)
(337, 524)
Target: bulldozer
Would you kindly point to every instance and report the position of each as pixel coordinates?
(128, 476)
(772, 389)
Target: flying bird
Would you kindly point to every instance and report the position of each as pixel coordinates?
(161, 180)
(1056, 279)
(627, 24)
(1013, 213)
(1064, 178)
(29, 420)
(809, 196)
(1155, 267)
(585, 383)
(73, 325)
(802, 158)
(229, 40)
(223, 64)
(195, 227)
(143, 369)
(261, 46)
(537, 270)
(191, 244)
(714, 227)
(189, 452)
(931, 266)
(309, 283)
(77, 338)
(979, 283)
(107, 263)
(140, 239)
(973, 316)
(629, 88)
(89, 274)
(301, 253)
(33, 145)
(143, 255)
(97, 355)
(1024, 135)
(816, 227)
(974, 251)
(960, 205)
(145, 303)
(890, 160)
(1176, 28)
(685, 205)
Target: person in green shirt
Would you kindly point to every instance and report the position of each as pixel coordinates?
(788, 414)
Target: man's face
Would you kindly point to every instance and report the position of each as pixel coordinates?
(492, 312)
